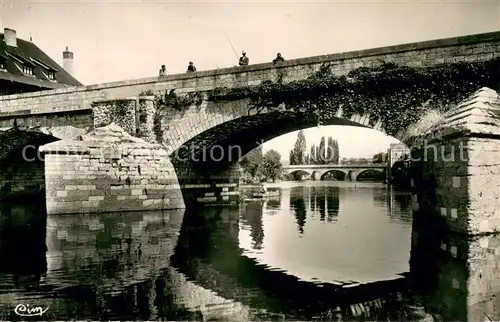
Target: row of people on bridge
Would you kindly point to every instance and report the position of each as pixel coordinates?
(244, 61)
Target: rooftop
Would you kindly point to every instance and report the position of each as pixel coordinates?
(28, 64)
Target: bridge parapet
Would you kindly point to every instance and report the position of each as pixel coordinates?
(467, 48)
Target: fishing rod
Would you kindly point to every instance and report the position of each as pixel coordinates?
(231, 44)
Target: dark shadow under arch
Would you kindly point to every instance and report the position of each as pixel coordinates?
(335, 174)
(215, 152)
(372, 175)
(248, 132)
(23, 168)
(299, 174)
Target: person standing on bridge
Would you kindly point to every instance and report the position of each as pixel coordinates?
(191, 68)
(244, 59)
(278, 59)
(163, 70)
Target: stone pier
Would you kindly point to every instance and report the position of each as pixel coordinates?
(108, 170)
(456, 202)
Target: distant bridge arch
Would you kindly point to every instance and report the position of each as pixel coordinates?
(344, 175)
(303, 173)
(351, 171)
(379, 170)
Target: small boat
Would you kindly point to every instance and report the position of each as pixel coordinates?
(267, 194)
(252, 199)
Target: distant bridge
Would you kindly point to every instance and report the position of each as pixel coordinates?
(318, 171)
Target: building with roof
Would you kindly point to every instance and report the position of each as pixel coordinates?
(26, 68)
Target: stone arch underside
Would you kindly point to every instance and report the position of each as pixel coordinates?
(343, 172)
(205, 153)
(300, 171)
(23, 170)
(379, 170)
(245, 132)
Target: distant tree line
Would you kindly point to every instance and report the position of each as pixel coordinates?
(327, 152)
(258, 166)
(378, 158)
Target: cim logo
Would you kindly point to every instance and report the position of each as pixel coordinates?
(26, 310)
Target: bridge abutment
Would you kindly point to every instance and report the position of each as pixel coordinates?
(456, 203)
(108, 171)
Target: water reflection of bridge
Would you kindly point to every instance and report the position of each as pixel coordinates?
(132, 276)
(217, 262)
(89, 266)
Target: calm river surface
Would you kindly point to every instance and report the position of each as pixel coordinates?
(322, 250)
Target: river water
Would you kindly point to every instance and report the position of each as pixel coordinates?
(322, 250)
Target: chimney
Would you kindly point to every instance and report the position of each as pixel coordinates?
(10, 37)
(68, 61)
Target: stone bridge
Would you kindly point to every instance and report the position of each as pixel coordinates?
(350, 171)
(126, 147)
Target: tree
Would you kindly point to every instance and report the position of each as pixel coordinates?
(292, 158)
(252, 161)
(380, 157)
(312, 155)
(322, 147)
(271, 165)
(299, 150)
(330, 151)
(333, 150)
(337, 152)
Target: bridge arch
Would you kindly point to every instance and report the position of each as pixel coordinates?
(378, 170)
(342, 174)
(206, 162)
(23, 168)
(207, 155)
(295, 173)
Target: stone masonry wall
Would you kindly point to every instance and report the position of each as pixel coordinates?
(456, 203)
(459, 167)
(79, 119)
(469, 48)
(121, 112)
(107, 171)
(466, 174)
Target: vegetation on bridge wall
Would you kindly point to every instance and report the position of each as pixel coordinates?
(170, 99)
(398, 95)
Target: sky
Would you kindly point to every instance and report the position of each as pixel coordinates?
(118, 40)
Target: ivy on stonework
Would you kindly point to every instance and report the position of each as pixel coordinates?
(121, 107)
(171, 100)
(178, 102)
(397, 95)
(157, 128)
